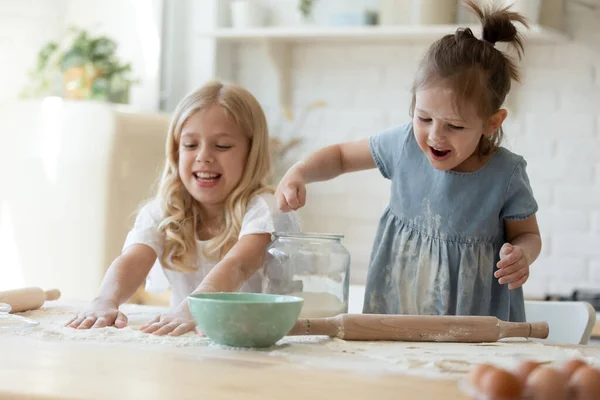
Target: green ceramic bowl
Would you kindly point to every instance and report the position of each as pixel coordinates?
(245, 319)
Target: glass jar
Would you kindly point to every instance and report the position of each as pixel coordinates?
(313, 266)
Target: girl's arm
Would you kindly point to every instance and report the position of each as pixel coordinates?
(322, 165)
(522, 248)
(125, 275)
(240, 263)
(335, 160)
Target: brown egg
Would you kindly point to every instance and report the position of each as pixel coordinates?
(571, 366)
(477, 373)
(525, 368)
(546, 383)
(500, 383)
(585, 383)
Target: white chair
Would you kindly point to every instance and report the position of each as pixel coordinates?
(356, 298)
(570, 322)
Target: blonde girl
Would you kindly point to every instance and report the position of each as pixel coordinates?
(211, 221)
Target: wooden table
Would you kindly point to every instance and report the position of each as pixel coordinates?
(34, 369)
(54, 362)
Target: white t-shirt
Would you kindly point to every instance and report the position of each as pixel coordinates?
(262, 216)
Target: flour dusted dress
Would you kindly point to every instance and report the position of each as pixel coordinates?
(439, 239)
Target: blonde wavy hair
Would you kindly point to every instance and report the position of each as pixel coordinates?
(181, 212)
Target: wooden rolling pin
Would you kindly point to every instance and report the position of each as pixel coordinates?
(419, 328)
(26, 299)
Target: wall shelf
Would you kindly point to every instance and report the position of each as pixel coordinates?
(277, 42)
(401, 33)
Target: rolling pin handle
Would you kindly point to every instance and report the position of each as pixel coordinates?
(539, 330)
(52, 294)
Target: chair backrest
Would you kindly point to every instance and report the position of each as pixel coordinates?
(570, 322)
(356, 298)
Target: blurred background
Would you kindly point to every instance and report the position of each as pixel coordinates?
(88, 88)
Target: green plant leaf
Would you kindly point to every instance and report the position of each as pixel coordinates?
(102, 48)
(73, 58)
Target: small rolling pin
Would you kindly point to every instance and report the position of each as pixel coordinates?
(30, 298)
(419, 328)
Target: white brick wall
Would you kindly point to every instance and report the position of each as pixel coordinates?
(554, 123)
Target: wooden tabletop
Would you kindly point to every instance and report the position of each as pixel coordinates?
(36, 369)
(51, 361)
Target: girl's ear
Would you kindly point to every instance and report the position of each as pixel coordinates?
(495, 122)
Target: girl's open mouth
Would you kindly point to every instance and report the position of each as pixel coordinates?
(439, 154)
(207, 179)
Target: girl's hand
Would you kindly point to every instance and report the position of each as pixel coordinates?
(513, 267)
(172, 324)
(101, 313)
(291, 191)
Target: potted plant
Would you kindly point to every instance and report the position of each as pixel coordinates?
(305, 7)
(86, 66)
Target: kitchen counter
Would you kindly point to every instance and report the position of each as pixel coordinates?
(52, 362)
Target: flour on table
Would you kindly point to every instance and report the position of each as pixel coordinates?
(425, 359)
(54, 315)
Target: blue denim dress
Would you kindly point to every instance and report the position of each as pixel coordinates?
(439, 239)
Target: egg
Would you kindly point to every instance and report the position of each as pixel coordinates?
(546, 383)
(525, 368)
(585, 383)
(571, 366)
(500, 383)
(477, 373)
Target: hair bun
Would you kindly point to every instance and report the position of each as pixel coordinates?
(498, 24)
